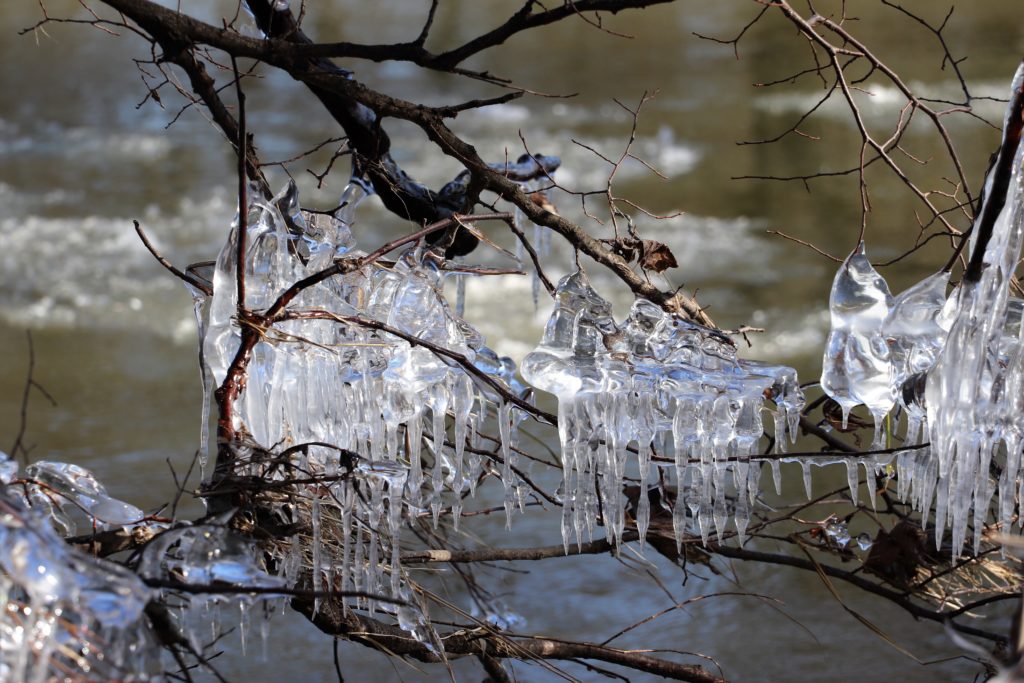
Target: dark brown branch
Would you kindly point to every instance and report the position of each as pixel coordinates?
(184, 277)
(333, 620)
(228, 589)
(30, 383)
(203, 85)
(359, 111)
(995, 198)
(533, 257)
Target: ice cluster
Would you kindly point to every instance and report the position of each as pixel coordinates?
(62, 610)
(673, 393)
(66, 613)
(954, 366)
(350, 391)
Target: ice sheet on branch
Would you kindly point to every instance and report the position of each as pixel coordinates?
(363, 410)
(955, 364)
(654, 385)
(63, 612)
(77, 487)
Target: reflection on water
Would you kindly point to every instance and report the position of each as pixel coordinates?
(113, 333)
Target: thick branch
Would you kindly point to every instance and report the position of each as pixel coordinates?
(359, 110)
(286, 41)
(333, 620)
(995, 197)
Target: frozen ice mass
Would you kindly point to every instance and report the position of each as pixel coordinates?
(64, 610)
(953, 365)
(665, 393)
(354, 393)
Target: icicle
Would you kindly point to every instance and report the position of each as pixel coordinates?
(743, 498)
(507, 476)
(314, 521)
(852, 479)
(438, 408)
(645, 435)
(779, 418)
(200, 301)
(460, 293)
(243, 622)
(264, 636)
(538, 236)
(657, 375)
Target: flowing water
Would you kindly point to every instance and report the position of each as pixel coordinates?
(114, 335)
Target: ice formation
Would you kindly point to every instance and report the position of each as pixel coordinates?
(956, 364)
(62, 610)
(858, 368)
(358, 412)
(65, 611)
(78, 486)
(673, 393)
(361, 409)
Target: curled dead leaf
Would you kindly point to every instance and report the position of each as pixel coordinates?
(656, 256)
(542, 200)
(649, 254)
(895, 555)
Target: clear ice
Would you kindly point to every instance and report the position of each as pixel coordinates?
(64, 611)
(672, 394)
(388, 425)
(956, 365)
(857, 368)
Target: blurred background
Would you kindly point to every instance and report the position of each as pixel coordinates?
(115, 335)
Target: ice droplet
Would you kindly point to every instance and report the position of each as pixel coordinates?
(856, 367)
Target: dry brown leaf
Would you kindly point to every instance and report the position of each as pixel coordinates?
(542, 200)
(895, 555)
(656, 256)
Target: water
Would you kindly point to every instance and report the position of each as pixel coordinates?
(114, 333)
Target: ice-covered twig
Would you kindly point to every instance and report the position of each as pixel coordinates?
(184, 277)
(459, 358)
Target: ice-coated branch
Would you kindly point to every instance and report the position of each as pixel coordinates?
(996, 192)
(254, 325)
(597, 547)
(343, 266)
(333, 620)
(441, 351)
